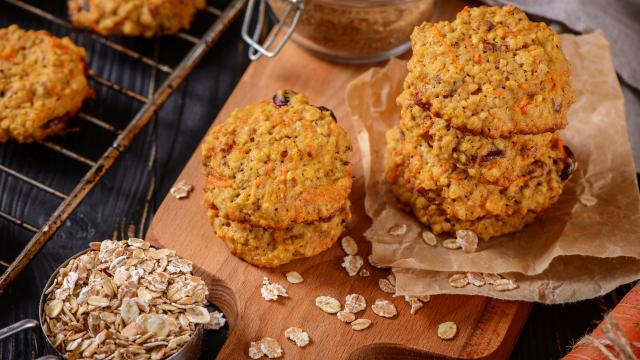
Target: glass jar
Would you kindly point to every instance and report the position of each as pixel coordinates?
(351, 31)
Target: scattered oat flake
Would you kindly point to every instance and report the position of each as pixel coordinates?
(451, 244)
(254, 351)
(294, 277)
(384, 308)
(447, 330)
(364, 273)
(385, 285)
(398, 230)
(392, 279)
(476, 279)
(415, 303)
(352, 264)
(346, 316)
(354, 303)
(588, 200)
(490, 278)
(468, 240)
(429, 238)
(328, 304)
(424, 298)
(458, 280)
(349, 245)
(271, 291)
(181, 190)
(265, 347)
(360, 324)
(298, 336)
(505, 285)
(216, 321)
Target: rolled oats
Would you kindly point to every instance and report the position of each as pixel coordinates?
(429, 238)
(451, 244)
(490, 278)
(346, 316)
(216, 321)
(349, 245)
(298, 336)
(354, 303)
(384, 308)
(476, 279)
(398, 230)
(271, 291)
(447, 330)
(328, 304)
(364, 273)
(352, 264)
(458, 280)
(424, 298)
(270, 348)
(468, 240)
(360, 324)
(181, 190)
(122, 300)
(385, 285)
(415, 303)
(587, 200)
(294, 277)
(505, 284)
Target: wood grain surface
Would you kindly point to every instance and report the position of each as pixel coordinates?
(127, 197)
(484, 324)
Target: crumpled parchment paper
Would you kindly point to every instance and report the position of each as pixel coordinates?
(571, 251)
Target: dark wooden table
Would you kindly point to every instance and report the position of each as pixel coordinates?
(127, 196)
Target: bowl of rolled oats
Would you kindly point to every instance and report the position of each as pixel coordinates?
(125, 300)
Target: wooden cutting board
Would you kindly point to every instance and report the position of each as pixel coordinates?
(488, 328)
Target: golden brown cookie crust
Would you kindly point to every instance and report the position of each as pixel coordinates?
(134, 17)
(273, 247)
(276, 166)
(490, 72)
(42, 83)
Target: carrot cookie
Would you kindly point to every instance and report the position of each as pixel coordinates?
(273, 247)
(134, 17)
(42, 83)
(278, 163)
(490, 72)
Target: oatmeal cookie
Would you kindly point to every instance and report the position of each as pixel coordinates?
(42, 83)
(134, 17)
(461, 195)
(273, 247)
(435, 149)
(491, 72)
(278, 163)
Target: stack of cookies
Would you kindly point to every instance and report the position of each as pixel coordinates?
(278, 179)
(478, 145)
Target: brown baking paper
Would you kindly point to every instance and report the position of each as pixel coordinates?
(567, 242)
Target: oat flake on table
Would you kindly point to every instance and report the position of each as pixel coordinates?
(181, 190)
(345, 316)
(265, 347)
(447, 330)
(352, 264)
(294, 277)
(328, 304)
(360, 324)
(384, 308)
(298, 336)
(271, 291)
(386, 286)
(429, 238)
(355, 303)
(349, 245)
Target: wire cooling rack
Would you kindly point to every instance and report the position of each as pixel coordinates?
(164, 78)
